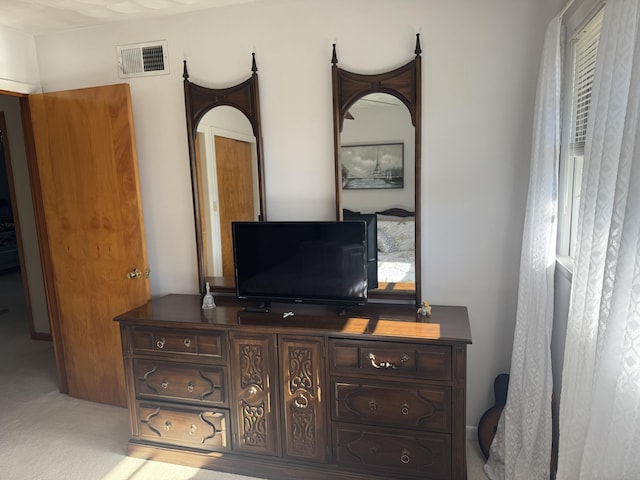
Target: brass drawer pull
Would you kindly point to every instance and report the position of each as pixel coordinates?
(167, 425)
(404, 358)
(187, 342)
(193, 429)
(161, 343)
(373, 405)
(405, 409)
(404, 457)
(190, 387)
(165, 384)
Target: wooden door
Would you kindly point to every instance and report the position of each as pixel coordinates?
(91, 231)
(235, 192)
(303, 410)
(254, 379)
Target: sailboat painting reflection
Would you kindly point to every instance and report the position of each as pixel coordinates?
(372, 166)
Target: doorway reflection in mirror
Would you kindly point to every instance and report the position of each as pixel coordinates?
(228, 176)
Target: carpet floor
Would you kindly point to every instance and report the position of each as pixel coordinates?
(46, 435)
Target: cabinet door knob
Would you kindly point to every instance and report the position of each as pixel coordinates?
(301, 401)
(404, 457)
(253, 390)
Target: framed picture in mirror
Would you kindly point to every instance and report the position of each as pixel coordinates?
(372, 166)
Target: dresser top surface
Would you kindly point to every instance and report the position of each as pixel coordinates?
(446, 323)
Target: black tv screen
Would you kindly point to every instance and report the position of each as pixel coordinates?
(301, 262)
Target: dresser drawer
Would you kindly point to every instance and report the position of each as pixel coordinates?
(186, 426)
(405, 406)
(210, 344)
(181, 382)
(394, 453)
(432, 362)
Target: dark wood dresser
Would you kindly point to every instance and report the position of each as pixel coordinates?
(371, 392)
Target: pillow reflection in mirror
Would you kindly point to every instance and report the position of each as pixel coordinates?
(401, 234)
(386, 243)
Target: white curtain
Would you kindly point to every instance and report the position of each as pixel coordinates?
(600, 397)
(522, 446)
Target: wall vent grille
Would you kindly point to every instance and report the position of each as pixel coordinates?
(143, 59)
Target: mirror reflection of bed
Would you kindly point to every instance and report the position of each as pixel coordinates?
(378, 137)
(393, 245)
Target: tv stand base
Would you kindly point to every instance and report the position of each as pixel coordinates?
(262, 308)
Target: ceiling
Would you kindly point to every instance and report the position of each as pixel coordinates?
(39, 17)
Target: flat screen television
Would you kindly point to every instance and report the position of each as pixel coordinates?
(301, 262)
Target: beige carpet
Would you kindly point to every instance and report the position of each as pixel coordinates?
(45, 435)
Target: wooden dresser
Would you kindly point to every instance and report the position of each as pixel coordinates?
(373, 392)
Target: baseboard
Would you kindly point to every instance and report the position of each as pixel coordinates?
(41, 336)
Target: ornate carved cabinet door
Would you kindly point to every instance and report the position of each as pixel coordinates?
(254, 373)
(302, 370)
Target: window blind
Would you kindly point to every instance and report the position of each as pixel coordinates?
(585, 50)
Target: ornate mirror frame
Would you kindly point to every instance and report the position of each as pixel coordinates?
(198, 101)
(404, 83)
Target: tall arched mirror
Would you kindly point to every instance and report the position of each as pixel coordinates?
(227, 172)
(377, 127)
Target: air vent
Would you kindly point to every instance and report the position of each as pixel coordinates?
(143, 59)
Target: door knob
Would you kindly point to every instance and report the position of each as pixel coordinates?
(133, 274)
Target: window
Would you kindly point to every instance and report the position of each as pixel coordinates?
(581, 53)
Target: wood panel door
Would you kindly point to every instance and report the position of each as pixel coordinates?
(254, 379)
(235, 192)
(304, 412)
(91, 230)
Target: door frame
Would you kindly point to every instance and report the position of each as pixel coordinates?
(34, 335)
(4, 140)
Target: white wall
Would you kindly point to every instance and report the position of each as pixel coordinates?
(18, 62)
(480, 63)
(376, 125)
